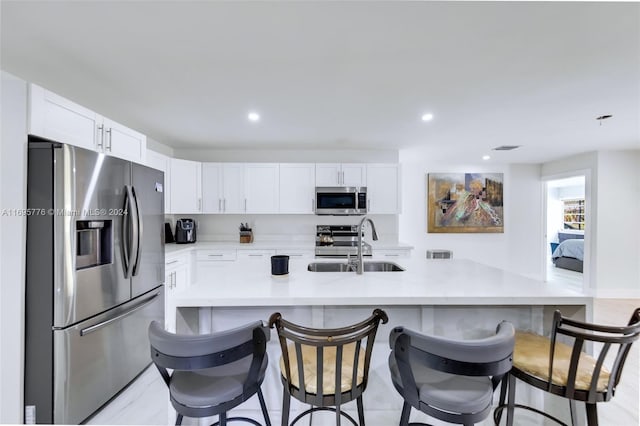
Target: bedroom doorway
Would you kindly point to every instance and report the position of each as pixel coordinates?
(566, 230)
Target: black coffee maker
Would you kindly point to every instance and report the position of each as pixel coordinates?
(185, 231)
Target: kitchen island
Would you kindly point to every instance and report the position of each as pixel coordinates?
(456, 298)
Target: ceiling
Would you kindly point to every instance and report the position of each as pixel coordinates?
(350, 75)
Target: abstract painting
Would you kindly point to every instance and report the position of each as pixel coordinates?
(465, 202)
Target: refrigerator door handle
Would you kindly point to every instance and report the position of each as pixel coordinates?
(129, 221)
(102, 324)
(137, 234)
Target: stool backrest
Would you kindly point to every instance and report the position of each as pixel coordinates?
(295, 340)
(200, 351)
(608, 337)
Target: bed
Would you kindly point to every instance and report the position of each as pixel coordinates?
(569, 254)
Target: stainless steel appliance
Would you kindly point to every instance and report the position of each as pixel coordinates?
(341, 201)
(94, 278)
(185, 231)
(339, 241)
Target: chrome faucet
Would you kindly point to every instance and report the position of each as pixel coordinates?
(374, 235)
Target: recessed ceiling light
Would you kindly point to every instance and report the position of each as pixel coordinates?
(253, 116)
(486, 157)
(427, 117)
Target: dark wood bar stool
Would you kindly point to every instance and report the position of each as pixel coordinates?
(564, 369)
(325, 367)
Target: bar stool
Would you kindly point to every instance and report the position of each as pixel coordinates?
(212, 373)
(565, 369)
(325, 367)
(451, 380)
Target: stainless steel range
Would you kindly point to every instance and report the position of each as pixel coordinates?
(339, 241)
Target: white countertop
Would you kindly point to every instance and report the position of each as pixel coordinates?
(424, 282)
(174, 248)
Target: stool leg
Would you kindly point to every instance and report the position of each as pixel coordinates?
(263, 406)
(286, 401)
(574, 413)
(404, 417)
(592, 414)
(179, 419)
(511, 399)
(503, 396)
(337, 413)
(222, 417)
(360, 411)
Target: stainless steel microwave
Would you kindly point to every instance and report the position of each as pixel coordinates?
(341, 200)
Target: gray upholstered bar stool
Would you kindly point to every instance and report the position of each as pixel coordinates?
(451, 380)
(325, 367)
(574, 374)
(212, 373)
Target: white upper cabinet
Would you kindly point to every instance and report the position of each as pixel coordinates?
(262, 188)
(185, 187)
(161, 162)
(223, 188)
(297, 188)
(54, 117)
(123, 142)
(336, 174)
(383, 188)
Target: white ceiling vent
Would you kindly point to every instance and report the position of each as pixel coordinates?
(506, 147)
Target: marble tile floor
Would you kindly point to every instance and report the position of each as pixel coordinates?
(145, 401)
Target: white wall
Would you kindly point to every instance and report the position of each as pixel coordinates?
(13, 167)
(518, 249)
(618, 233)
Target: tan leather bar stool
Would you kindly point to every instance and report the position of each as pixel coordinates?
(565, 369)
(325, 367)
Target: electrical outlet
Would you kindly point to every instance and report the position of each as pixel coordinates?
(30, 415)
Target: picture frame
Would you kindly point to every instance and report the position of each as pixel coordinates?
(465, 203)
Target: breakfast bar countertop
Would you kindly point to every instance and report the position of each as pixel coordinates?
(424, 282)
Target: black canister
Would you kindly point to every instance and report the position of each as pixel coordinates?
(280, 264)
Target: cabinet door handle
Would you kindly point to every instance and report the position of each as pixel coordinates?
(100, 137)
(391, 255)
(108, 147)
(215, 255)
(199, 204)
(219, 204)
(245, 205)
(172, 262)
(313, 205)
(256, 255)
(224, 204)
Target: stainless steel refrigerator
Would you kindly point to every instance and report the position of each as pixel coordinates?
(94, 277)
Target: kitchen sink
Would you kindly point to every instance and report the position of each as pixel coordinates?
(345, 267)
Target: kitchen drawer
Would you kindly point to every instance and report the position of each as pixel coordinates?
(255, 254)
(297, 253)
(392, 253)
(173, 261)
(216, 255)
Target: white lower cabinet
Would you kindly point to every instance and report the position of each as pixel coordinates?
(177, 277)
